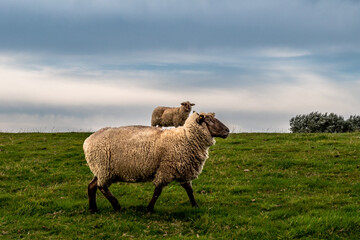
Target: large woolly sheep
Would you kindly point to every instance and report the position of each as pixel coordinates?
(168, 116)
(141, 153)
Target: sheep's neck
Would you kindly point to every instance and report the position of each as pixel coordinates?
(199, 140)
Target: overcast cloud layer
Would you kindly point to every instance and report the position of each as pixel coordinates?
(83, 65)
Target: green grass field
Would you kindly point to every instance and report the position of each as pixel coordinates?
(253, 186)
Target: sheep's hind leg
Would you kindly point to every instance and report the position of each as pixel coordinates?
(92, 187)
(157, 192)
(114, 202)
(187, 186)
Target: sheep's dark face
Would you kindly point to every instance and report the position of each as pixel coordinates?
(216, 128)
(187, 106)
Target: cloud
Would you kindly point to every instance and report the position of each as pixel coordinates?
(52, 97)
(47, 87)
(255, 63)
(284, 53)
(114, 27)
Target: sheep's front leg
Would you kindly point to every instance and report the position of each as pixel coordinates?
(114, 202)
(92, 187)
(189, 191)
(157, 192)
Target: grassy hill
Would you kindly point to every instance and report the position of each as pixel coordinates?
(253, 186)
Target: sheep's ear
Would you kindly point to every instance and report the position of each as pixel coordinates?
(183, 103)
(192, 104)
(212, 114)
(200, 119)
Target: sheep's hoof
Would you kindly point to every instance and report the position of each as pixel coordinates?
(93, 210)
(149, 211)
(117, 209)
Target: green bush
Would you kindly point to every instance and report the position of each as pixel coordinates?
(325, 123)
(354, 122)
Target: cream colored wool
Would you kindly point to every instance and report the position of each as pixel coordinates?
(139, 153)
(168, 116)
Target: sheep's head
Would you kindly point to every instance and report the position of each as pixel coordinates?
(187, 106)
(215, 127)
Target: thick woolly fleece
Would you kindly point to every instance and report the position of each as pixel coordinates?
(167, 116)
(139, 153)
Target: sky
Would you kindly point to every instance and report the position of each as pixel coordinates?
(76, 65)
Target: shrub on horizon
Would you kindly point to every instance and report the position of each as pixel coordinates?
(316, 122)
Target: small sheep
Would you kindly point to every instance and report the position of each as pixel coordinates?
(167, 116)
(142, 154)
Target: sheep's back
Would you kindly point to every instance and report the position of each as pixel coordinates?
(123, 154)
